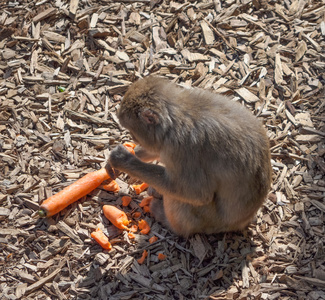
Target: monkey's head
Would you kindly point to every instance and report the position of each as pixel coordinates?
(144, 112)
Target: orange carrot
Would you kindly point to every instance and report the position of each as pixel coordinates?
(126, 200)
(143, 257)
(116, 216)
(101, 239)
(133, 228)
(161, 256)
(139, 188)
(145, 201)
(131, 236)
(146, 209)
(130, 147)
(72, 193)
(136, 215)
(112, 186)
(144, 226)
(153, 239)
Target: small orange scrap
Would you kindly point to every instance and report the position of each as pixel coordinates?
(161, 256)
(130, 147)
(143, 257)
(144, 226)
(131, 235)
(146, 201)
(139, 188)
(112, 186)
(126, 200)
(146, 209)
(133, 228)
(136, 215)
(101, 239)
(116, 216)
(153, 239)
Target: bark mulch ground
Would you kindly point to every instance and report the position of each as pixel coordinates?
(65, 66)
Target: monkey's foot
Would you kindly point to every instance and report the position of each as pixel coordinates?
(158, 212)
(153, 192)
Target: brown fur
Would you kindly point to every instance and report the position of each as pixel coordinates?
(215, 153)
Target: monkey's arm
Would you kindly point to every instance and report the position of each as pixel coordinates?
(156, 176)
(124, 161)
(145, 155)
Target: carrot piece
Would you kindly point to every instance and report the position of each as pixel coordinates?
(116, 216)
(153, 239)
(143, 257)
(72, 193)
(139, 188)
(144, 226)
(131, 235)
(129, 144)
(146, 209)
(136, 215)
(130, 147)
(126, 200)
(161, 256)
(133, 228)
(145, 201)
(112, 186)
(101, 239)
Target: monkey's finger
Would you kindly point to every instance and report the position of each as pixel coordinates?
(111, 172)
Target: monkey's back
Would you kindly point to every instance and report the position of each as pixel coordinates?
(226, 156)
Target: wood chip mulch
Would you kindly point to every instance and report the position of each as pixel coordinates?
(64, 66)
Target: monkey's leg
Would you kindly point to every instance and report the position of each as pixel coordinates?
(158, 212)
(185, 219)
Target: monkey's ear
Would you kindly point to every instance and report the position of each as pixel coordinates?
(149, 116)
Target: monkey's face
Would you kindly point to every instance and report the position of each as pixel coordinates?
(144, 112)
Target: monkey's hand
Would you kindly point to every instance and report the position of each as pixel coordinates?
(120, 158)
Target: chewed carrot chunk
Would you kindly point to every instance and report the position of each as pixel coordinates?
(143, 257)
(144, 226)
(139, 188)
(112, 186)
(136, 215)
(130, 147)
(153, 239)
(145, 201)
(146, 209)
(126, 200)
(101, 239)
(161, 256)
(116, 216)
(131, 235)
(133, 228)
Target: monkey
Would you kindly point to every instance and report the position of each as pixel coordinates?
(215, 167)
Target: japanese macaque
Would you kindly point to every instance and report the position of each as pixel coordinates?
(215, 157)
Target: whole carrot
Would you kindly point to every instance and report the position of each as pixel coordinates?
(72, 193)
(116, 216)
